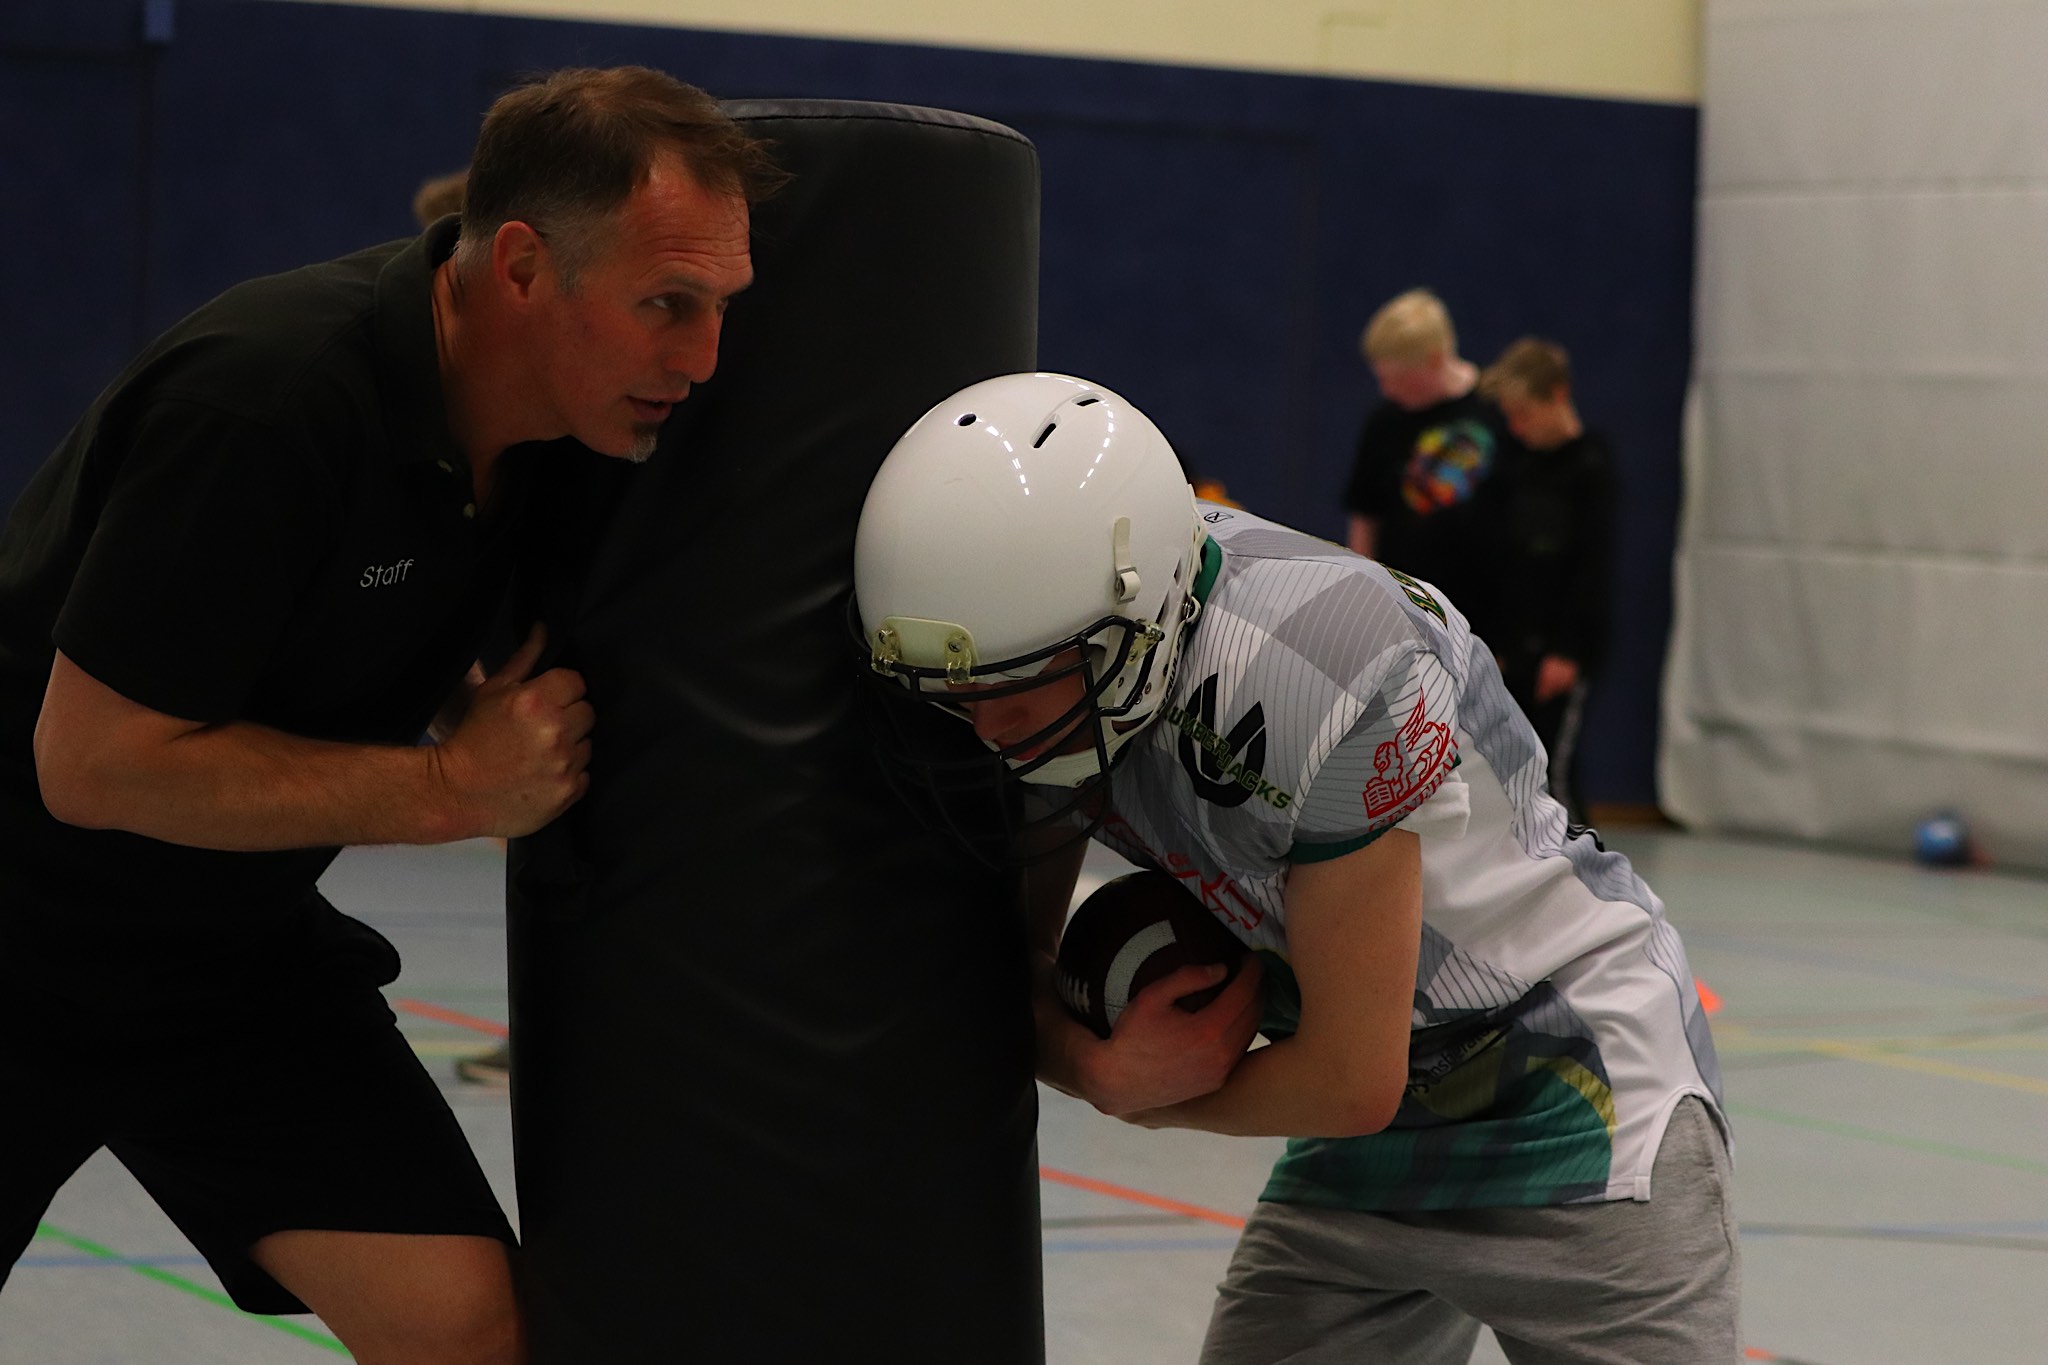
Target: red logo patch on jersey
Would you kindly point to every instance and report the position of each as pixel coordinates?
(1410, 765)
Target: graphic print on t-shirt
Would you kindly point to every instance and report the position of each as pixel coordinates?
(1447, 465)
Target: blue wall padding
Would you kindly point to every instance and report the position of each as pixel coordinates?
(72, 148)
(1213, 240)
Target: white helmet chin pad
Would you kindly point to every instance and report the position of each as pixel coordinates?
(1025, 515)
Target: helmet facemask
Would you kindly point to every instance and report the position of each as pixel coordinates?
(1050, 791)
(1110, 661)
(1017, 802)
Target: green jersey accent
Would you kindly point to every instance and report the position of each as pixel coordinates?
(1536, 1139)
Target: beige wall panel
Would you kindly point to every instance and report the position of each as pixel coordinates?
(1862, 578)
(1622, 49)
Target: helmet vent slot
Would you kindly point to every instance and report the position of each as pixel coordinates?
(1084, 402)
(965, 419)
(1050, 427)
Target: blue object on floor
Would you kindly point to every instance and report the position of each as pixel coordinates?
(1942, 839)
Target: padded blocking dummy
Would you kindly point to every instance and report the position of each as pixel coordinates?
(773, 1093)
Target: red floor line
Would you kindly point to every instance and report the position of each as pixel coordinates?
(448, 1016)
(1150, 1201)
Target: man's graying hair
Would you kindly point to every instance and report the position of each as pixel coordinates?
(562, 152)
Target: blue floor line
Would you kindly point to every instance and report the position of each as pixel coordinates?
(102, 1263)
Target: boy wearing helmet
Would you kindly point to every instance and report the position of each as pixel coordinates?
(1490, 1052)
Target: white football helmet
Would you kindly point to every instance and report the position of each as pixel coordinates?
(1024, 517)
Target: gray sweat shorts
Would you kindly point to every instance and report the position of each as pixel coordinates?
(1649, 1283)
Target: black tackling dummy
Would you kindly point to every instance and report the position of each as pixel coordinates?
(772, 1052)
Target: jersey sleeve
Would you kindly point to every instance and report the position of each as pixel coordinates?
(205, 541)
(1396, 766)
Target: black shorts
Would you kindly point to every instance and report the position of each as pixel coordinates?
(296, 1106)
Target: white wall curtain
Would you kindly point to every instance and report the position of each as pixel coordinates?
(1861, 633)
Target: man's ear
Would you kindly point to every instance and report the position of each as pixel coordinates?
(518, 259)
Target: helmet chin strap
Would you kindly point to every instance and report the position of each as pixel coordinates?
(1128, 584)
(1065, 770)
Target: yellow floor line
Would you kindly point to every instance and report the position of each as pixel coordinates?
(1859, 1052)
(1738, 1040)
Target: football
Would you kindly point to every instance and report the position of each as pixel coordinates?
(1130, 932)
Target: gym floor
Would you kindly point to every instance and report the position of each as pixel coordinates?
(1883, 1032)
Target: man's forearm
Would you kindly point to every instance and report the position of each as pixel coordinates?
(242, 787)
(518, 758)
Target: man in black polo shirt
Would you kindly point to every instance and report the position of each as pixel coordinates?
(246, 583)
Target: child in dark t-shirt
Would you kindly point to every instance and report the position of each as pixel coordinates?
(1422, 496)
(1558, 497)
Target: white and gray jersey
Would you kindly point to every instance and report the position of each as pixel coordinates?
(1323, 700)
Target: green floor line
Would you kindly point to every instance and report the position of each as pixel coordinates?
(197, 1291)
(2017, 1163)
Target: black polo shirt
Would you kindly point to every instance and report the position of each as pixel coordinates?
(266, 519)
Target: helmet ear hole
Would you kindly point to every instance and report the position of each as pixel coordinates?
(968, 419)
